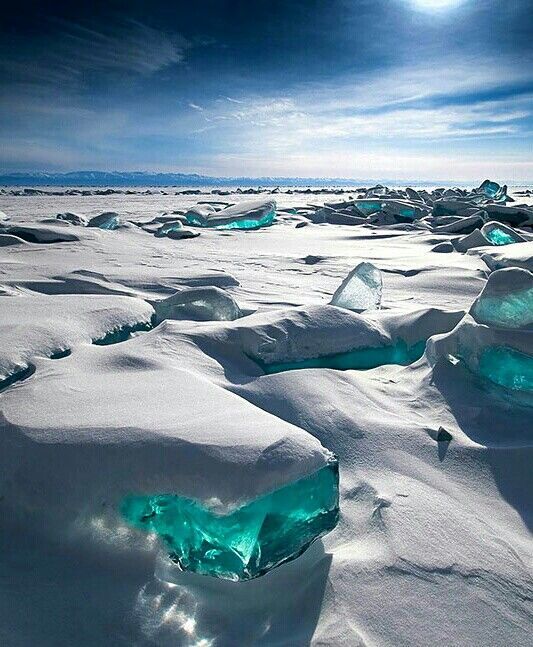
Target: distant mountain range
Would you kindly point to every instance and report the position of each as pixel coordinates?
(142, 178)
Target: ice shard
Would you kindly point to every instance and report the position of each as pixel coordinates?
(250, 214)
(506, 300)
(361, 289)
(106, 220)
(248, 541)
(198, 304)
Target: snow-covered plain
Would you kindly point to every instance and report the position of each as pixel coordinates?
(433, 544)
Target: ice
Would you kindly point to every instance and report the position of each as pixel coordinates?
(250, 214)
(499, 234)
(201, 304)
(506, 300)
(249, 541)
(493, 191)
(74, 218)
(43, 233)
(173, 225)
(106, 220)
(175, 230)
(6, 240)
(507, 367)
(359, 359)
(360, 290)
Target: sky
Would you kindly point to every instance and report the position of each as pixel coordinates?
(399, 89)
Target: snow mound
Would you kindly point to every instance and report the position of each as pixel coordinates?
(41, 326)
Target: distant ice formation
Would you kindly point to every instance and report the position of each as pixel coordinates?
(251, 214)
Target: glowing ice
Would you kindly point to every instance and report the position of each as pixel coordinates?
(250, 540)
(507, 367)
(360, 290)
(499, 234)
(251, 214)
(493, 191)
(506, 300)
(107, 220)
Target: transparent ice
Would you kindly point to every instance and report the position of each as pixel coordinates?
(507, 367)
(246, 542)
(361, 289)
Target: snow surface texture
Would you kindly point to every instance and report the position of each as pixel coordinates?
(433, 544)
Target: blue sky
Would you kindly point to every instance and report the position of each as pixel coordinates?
(400, 89)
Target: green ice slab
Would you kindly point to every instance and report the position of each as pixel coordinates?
(507, 367)
(251, 223)
(359, 359)
(499, 237)
(250, 540)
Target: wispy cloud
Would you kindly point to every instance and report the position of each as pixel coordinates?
(73, 51)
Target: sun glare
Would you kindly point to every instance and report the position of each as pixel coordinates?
(436, 5)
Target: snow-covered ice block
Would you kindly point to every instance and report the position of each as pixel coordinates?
(361, 289)
(129, 421)
(506, 300)
(250, 214)
(7, 240)
(517, 216)
(43, 233)
(106, 220)
(74, 218)
(41, 326)
(175, 230)
(200, 304)
(494, 340)
(508, 256)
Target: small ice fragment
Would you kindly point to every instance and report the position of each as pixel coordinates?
(106, 220)
(251, 214)
(506, 300)
(198, 304)
(361, 289)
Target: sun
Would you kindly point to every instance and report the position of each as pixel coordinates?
(436, 5)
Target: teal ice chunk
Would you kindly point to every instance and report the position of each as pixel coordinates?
(499, 237)
(507, 367)
(108, 220)
(512, 310)
(360, 359)
(249, 541)
(245, 215)
(493, 191)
